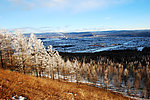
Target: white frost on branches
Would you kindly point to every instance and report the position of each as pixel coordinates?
(30, 50)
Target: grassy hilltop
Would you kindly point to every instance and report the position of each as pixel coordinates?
(14, 84)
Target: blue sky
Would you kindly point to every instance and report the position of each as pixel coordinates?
(74, 15)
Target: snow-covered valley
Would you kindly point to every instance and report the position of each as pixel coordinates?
(86, 45)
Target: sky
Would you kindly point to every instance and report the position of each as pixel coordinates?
(74, 15)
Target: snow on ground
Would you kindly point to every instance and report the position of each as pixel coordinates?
(78, 45)
(122, 90)
(18, 98)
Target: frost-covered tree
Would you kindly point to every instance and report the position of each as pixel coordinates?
(5, 49)
(21, 48)
(40, 57)
(44, 59)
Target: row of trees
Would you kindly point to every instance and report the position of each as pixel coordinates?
(25, 54)
(28, 55)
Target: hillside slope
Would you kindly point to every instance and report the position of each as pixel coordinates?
(16, 85)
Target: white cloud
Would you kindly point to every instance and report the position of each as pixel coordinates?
(64, 29)
(57, 29)
(23, 3)
(39, 29)
(73, 5)
(108, 18)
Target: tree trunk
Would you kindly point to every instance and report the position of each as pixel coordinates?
(2, 65)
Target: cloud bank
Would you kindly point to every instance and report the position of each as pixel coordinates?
(73, 5)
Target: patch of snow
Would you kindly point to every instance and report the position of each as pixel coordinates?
(140, 48)
(18, 97)
(20, 82)
(71, 93)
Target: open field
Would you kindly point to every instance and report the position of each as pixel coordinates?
(97, 44)
(13, 84)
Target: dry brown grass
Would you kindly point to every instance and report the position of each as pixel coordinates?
(14, 83)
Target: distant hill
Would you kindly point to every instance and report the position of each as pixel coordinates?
(47, 35)
(125, 33)
(114, 33)
(79, 34)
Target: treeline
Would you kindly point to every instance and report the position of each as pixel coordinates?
(29, 56)
(127, 70)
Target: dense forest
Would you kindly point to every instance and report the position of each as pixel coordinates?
(128, 73)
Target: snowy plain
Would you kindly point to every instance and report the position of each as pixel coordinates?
(91, 45)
